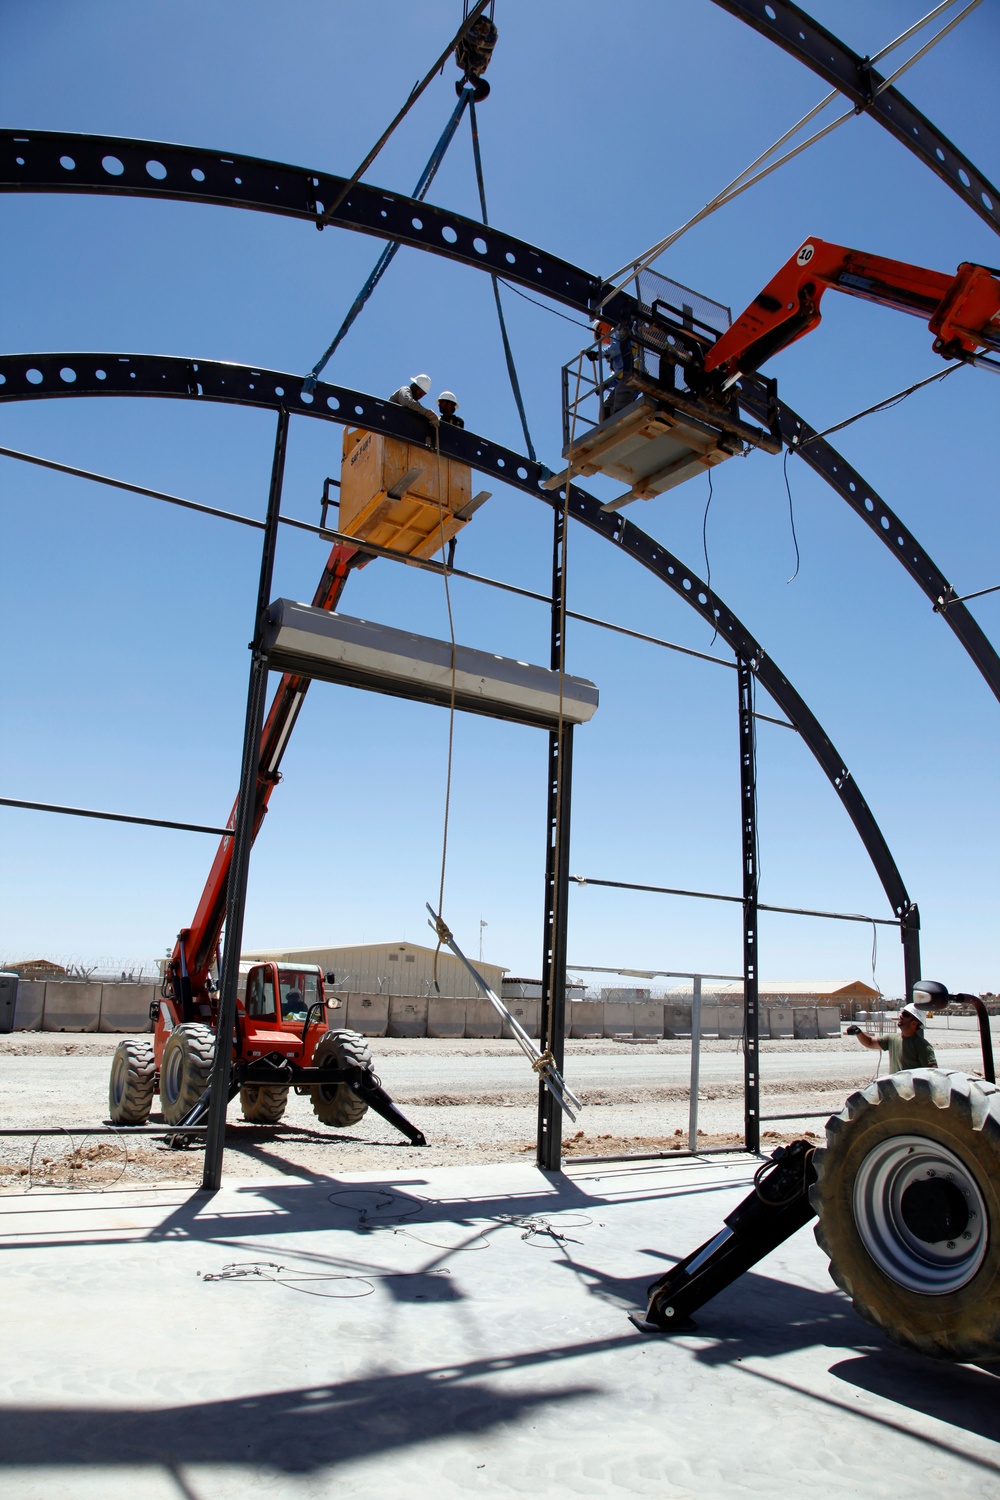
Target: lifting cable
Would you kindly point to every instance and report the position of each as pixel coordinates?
(508, 353)
(468, 22)
(746, 180)
(385, 259)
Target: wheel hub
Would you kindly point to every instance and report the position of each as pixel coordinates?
(920, 1214)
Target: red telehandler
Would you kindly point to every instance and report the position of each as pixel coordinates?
(283, 1037)
(962, 311)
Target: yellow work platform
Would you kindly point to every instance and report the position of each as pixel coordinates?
(401, 496)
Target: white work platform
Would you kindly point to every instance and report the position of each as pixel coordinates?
(450, 1332)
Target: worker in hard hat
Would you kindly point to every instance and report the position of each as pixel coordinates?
(448, 407)
(907, 1048)
(411, 396)
(608, 345)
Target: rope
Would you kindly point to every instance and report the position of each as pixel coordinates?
(884, 405)
(738, 185)
(385, 259)
(507, 351)
(443, 934)
(791, 515)
(414, 95)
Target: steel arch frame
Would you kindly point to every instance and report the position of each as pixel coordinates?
(30, 161)
(796, 33)
(28, 377)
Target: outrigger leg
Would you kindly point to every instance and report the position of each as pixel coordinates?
(777, 1207)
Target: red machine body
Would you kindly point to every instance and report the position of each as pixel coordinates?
(188, 990)
(962, 311)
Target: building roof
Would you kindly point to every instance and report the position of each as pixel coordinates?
(834, 988)
(290, 954)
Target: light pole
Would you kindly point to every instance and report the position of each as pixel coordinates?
(482, 924)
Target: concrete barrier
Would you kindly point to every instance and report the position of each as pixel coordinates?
(71, 1007)
(125, 1007)
(709, 1020)
(647, 1018)
(730, 1021)
(781, 1021)
(585, 1018)
(368, 1014)
(528, 1012)
(806, 1025)
(619, 1018)
(828, 1020)
(481, 1019)
(29, 1005)
(445, 1017)
(407, 1016)
(677, 1020)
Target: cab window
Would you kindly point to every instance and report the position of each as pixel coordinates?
(260, 995)
(298, 993)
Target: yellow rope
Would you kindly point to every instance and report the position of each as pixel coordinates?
(443, 935)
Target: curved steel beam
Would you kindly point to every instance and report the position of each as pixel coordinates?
(805, 39)
(46, 161)
(26, 377)
(49, 161)
(865, 502)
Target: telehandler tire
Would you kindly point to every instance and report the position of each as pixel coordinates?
(263, 1103)
(133, 1082)
(908, 1198)
(337, 1103)
(186, 1069)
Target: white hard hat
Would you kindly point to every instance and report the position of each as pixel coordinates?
(423, 381)
(911, 1010)
(449, 396)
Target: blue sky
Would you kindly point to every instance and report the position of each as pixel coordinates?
(605, 130)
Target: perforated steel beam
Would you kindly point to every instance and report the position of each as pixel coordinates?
(47, 161)
(796, 33)
(52, 161)
(882, 521)
(26, 377)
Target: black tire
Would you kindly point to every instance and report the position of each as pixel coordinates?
(908, 1198)
(337, 1103)
(186, 1069)
(263, 1103)
(133, 1082)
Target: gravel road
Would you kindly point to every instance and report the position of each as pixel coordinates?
(475, 1101)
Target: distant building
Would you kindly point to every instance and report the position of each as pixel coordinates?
(37, 968)
(389, 969)
(531, 989)
(847, 993)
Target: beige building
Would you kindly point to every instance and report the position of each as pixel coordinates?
(843, 992)
(389, 969)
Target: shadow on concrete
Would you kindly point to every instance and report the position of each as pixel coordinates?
(965, 1396)
(292, 1432)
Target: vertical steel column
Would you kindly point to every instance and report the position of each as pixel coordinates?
(239, 870)
(909, 936)
(748, 819)
(695, 1062)
(548, 1149)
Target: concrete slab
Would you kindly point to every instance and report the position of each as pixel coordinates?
(525, 1011)
(125, 1007)
(407, 1017)
(445, 1017)
(481, 1019)
(29, 1005)
(71, 1007)
(368, 1014)
(448, 1333)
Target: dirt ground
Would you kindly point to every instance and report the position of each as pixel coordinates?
(474, 1100)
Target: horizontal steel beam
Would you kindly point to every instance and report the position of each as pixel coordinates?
(25, 377)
